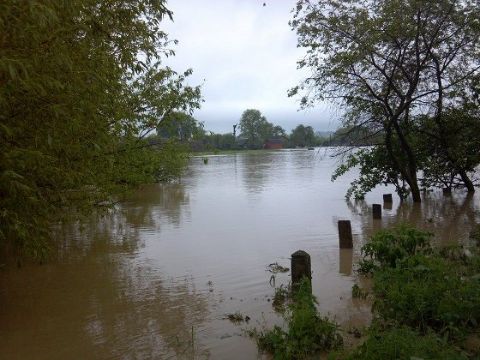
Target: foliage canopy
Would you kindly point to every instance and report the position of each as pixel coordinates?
(401, 69)
(256, 129)
(81, 85)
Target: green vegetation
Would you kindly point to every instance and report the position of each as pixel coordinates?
(354, 136)
(178, 125)
(430, 293)
(403, 343)
(425, 305)
(375, 168)
(255, 133)
(389, 247)
(406, 77)
(81, 86)
(280, 297)
(358, 292)
(307, 332)
(257, 130)
(302, 136)
(426, 300)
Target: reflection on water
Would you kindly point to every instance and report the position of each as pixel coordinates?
(256, 171)
(100, 305)
(155, 278)
(449, 218)
(345, 257)
(145, 206)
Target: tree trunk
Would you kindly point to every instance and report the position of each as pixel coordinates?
(466, 180)
(410, 169)
(415, 191)
(410, 174)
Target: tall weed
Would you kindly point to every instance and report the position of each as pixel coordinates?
(307, 332)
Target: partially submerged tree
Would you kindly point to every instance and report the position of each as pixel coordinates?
(450, 156)
(81, 84)
(389, 62)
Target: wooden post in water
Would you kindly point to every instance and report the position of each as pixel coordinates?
(345, 234)
(377, 211)
(301, 267)
(387, 198)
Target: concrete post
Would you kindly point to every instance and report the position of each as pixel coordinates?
(377, 211)
(301, 267)
(345, 234)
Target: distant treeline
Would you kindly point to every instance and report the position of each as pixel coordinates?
(254, 132)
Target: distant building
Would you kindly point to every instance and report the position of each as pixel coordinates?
(273, 144)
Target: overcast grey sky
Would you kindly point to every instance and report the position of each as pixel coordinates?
(245, 56)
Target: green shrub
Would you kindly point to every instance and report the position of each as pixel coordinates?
(425, 299)
(388, 247)
(280, 297)
(429, 292)
(307, 333)
(404, 343)
(358, 292)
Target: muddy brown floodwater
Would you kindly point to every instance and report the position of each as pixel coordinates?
(155, 279)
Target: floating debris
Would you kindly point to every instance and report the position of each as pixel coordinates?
(275, 268)
(236, 318)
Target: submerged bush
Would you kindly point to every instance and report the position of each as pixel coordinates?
(358, 292)
(280, 297)
(388, 247)
(307, 332)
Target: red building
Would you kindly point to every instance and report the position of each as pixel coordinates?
(273, 144)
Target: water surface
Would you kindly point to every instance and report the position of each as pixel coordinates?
(156, 278)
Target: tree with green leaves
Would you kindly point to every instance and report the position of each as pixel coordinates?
(178, 125)
(219, 141)
(256, 129)
(388, 62)
(81, 86)
(450, 148)
(302, 136)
